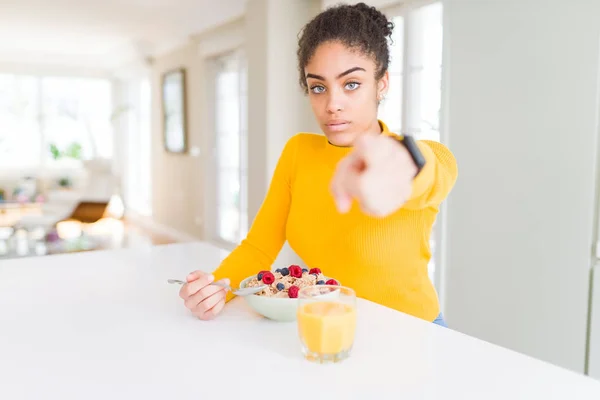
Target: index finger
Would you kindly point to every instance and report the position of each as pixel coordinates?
(192, 276)
(191, 288)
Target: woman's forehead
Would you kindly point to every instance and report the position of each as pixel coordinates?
(331, 58)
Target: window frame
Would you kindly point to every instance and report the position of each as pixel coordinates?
(135, 143)
(409, 117)
(221, 40)
(409, 95)
(212, 184)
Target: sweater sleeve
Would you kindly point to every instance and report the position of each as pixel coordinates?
(267, 234)
(436, 179)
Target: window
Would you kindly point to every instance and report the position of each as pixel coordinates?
(390, 109)
(412, 105)
(138, 195)
(54, 121)
(20, 136)
(413, 102)
(230, 147)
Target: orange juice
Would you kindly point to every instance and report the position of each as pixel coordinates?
(326, 327)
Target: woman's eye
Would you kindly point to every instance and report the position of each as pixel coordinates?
(352, 85)
(317, 89)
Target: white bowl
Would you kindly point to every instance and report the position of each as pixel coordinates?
(280, 309)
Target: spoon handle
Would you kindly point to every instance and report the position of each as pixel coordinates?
(217, 283)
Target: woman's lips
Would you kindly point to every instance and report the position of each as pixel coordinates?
(337, 126)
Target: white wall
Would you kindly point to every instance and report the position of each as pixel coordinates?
(53, 70)
(277, 108)
(522, 109)
(178, 179)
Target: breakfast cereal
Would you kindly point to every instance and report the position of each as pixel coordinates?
(286, 282)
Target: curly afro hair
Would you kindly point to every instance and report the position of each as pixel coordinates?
(356, 26)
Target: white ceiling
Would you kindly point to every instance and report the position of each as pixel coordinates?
(103, 33)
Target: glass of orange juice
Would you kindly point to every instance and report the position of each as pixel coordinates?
(326, 322)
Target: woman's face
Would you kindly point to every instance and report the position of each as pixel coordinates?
(343, 92)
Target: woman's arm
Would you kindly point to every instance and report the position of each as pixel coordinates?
(267, 233)
(436, 179)
(380, 174)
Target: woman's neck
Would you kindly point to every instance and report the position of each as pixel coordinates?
(374, 129)
(377, 128)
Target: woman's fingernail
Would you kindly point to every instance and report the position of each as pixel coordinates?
(337, 199)
(343, 204)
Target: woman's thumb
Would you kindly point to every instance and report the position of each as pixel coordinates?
(224, 281)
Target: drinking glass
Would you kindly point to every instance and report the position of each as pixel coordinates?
(326, 322)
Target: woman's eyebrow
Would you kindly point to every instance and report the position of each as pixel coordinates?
(351, 70)
(315, 76)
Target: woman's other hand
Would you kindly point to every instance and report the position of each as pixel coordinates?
(202, 298)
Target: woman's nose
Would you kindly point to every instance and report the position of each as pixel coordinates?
(334, 103)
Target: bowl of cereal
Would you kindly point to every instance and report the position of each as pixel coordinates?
(278, 301)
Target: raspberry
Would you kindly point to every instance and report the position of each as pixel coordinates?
(332, 282)
(295, 271)
(260, 275)
(293, 291)
(314, 271)
(268, 278)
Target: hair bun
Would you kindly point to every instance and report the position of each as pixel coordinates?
(377, 17)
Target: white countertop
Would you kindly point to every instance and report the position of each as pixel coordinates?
(106, 325)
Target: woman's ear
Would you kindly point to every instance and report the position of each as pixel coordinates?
(383, 86)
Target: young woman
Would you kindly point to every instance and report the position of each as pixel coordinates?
(379, 247)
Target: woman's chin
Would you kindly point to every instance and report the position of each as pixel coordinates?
(340, 139)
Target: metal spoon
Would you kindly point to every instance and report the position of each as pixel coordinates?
(238, 292)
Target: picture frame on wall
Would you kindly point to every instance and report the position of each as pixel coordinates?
(174, 110)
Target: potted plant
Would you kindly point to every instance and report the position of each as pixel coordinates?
(72, 152)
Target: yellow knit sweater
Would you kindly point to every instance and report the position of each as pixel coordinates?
(383, 259)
